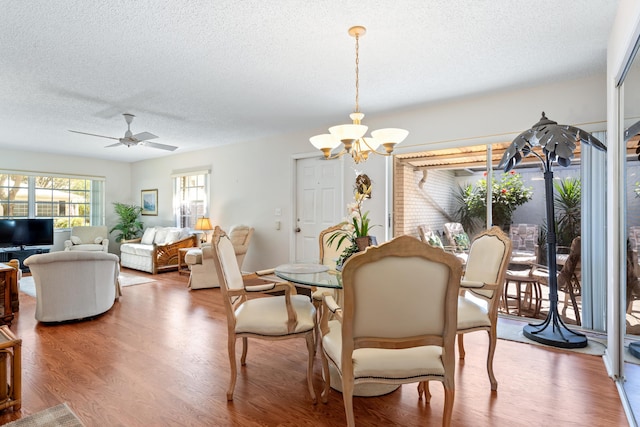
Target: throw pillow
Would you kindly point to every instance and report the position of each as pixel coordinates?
(161, 236)
(76, 240)
(147, 237)
(462, 241)
(98, 240)
(173, 236)
(434, 240)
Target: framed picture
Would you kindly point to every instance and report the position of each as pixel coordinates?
(149, 202)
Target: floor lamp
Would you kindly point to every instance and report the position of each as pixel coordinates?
(555, 143)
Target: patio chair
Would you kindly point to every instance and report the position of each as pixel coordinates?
(456, 236)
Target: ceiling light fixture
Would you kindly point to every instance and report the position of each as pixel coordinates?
(352, 135)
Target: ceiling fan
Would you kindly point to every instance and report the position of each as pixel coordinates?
(130, 139)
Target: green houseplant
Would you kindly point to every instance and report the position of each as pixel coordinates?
(129, 225)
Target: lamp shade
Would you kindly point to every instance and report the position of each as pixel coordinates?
(390, 135)
(348, 132)
(203, 224)
(324, 141)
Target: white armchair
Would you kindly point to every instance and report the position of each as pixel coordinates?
(88, 238)
(200, 260)
(74, 285)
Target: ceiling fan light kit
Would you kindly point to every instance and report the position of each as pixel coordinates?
(351, 135)
(130, 139)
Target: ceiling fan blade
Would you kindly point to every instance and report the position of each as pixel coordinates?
(143, 136)
(113, 145)
(93, 134)
(160, 146)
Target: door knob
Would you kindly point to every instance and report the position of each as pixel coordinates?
(298, 229)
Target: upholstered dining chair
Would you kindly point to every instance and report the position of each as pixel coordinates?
(483, 279)
(271, 317)
(392, 328)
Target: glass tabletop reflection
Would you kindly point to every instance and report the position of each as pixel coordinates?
(310, 275)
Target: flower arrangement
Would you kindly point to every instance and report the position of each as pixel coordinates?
(506, 195)
(357, 225)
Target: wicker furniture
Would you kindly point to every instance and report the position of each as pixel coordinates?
(157, 249)
(8, 282)
(10, 369)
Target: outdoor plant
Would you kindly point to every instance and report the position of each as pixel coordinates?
(506, 195)
(129, 225)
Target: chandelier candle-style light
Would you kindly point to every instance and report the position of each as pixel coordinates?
(352, 135)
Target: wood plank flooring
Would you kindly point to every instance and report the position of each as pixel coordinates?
(159, 358)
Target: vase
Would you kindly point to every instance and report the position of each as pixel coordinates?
(363, 242)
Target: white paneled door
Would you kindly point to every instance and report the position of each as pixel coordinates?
(319, 203)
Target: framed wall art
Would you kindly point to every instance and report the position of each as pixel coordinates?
(149, 202)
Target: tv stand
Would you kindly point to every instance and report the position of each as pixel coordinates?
(21, 254)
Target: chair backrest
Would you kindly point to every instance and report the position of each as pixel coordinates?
(227, 269)
(524, 237)
(240, 236)
(570, 275)
(427, 235)
(330, 253)
(88, 234)
(488, 261)
(456, 235)
(400, 294)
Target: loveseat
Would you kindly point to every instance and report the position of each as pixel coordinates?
(157, 249)
(88, 238)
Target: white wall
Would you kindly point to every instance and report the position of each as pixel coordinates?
(117, 176)
(251, 179)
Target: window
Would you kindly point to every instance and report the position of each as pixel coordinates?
(70, 201)
(190, 197)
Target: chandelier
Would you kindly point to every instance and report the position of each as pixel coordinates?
(351, 136)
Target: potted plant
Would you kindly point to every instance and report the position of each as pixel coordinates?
(130, 225)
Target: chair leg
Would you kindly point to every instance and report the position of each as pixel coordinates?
(231, 344)
(423, 387)
(449, 394)
(347, 397)
(493, 339)
(461, 346)
(311, 347)
(245, 348)
(327, 379)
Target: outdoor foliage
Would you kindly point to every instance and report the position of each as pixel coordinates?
(506, 195)
(129, 226)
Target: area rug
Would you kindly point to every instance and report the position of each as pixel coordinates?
(131, 280)
(27, 286)
(513, 332)
(57, 416)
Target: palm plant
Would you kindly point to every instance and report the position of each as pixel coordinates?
(567, 205)
(129, 226)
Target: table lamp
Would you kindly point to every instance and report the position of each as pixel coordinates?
(204, 224)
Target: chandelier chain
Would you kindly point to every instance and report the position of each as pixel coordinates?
(357, 73)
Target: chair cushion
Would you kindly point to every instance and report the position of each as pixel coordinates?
(268, 315)
(471, 315)
(193, 256)
(385, 363)
(86, 247)
(136, 249)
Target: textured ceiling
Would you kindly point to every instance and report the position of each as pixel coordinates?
(205, 73)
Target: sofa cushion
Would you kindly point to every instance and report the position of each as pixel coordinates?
(161, 235)
(98, 240)
(86, 247)
(75, 240)
(137, 249)
(148, 236)
(173, 236)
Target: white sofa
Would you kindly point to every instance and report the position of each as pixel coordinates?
(74, 285)
(157, 249)
(88, 238)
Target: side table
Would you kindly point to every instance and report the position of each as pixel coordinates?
(8, 281)
(10, 369)
(183, 267)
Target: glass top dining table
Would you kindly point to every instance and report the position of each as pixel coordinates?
(317, 275)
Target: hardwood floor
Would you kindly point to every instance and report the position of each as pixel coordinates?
(159, 358)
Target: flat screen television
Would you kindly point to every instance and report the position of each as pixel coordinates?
(26, 232)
